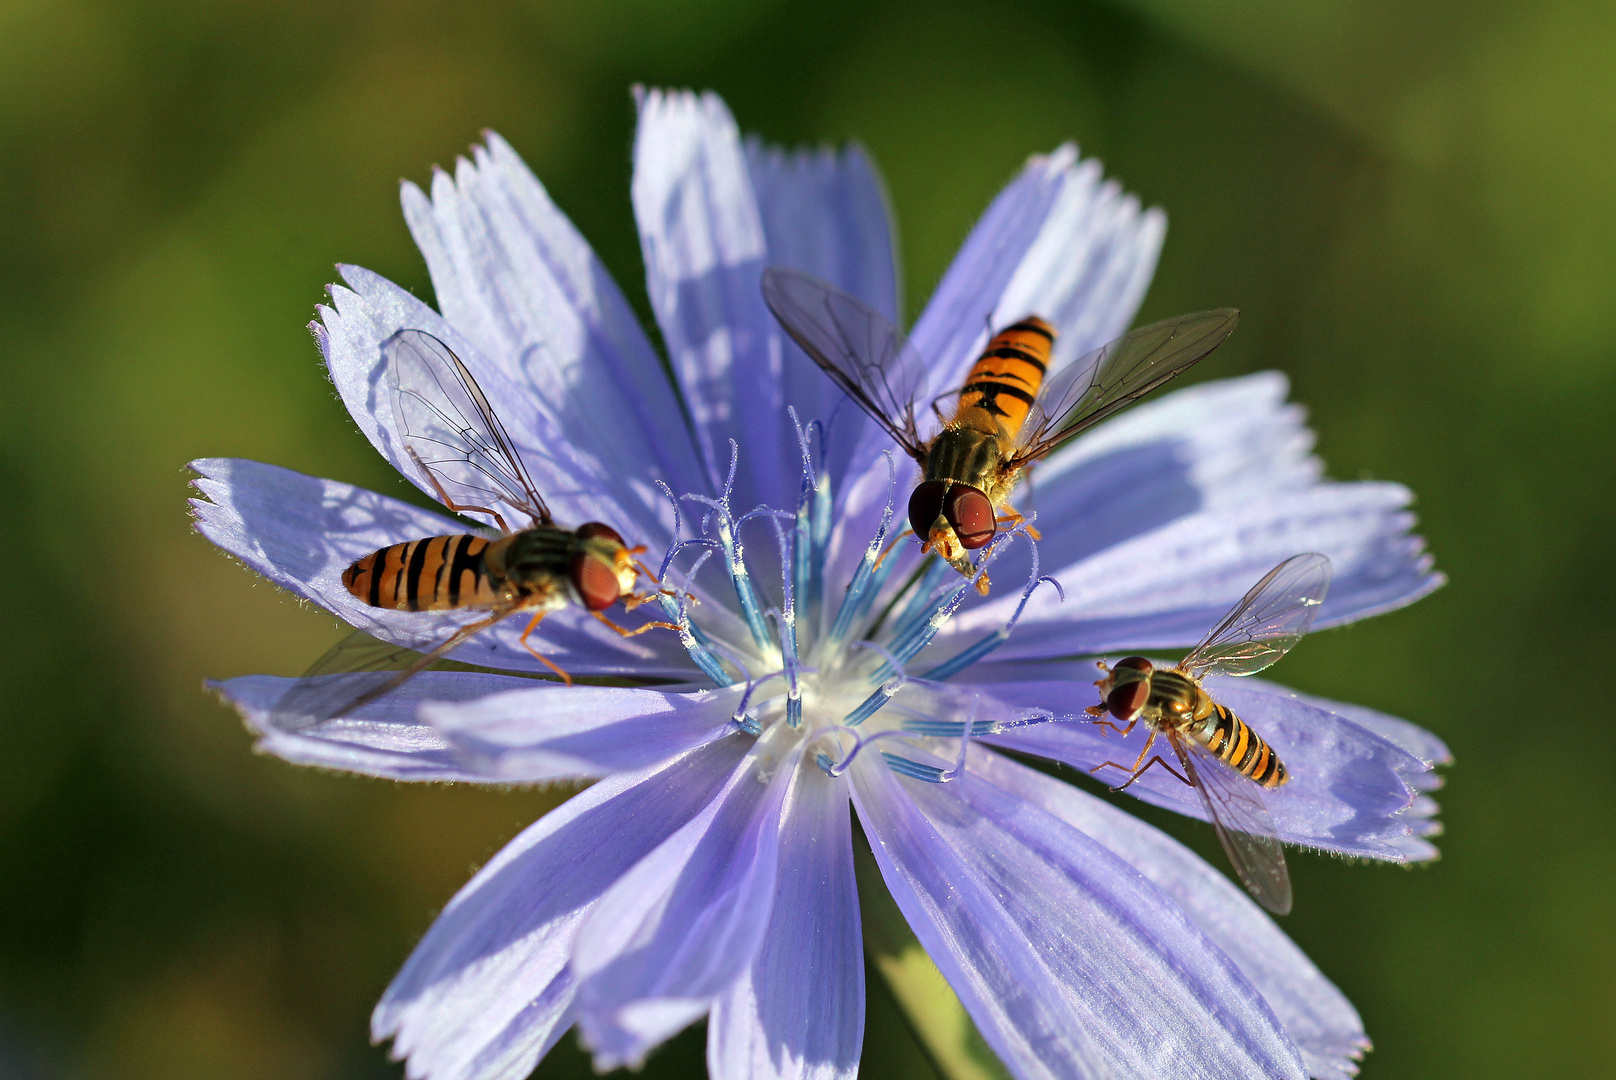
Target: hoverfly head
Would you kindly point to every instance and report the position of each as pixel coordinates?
(1129, 687)
(952, 518)
(602, 571)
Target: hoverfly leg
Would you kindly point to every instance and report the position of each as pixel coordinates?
(1134, 768)
(443, 497)
(1100, 710)
(634, 600)
(625, 631)
(1157, 760)
(532, 626)
(1136, 771)
(1013, 517)
(888, 549)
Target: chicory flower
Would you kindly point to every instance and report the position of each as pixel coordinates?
(708, 872)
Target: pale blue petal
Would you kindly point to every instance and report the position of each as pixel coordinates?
(798, 1012)
(1394, 729)
(384, 738)
(825, 213)
(301, 532)
(488, 991)
(1350, 790)
(1216, 444)
(1167, 586)
(535, 734)
(1087, 271)
(1071, 963)
(1317, 1016)
(514, 276)
(676, 931)
(578, 483)
(705, 249)
(955, 323)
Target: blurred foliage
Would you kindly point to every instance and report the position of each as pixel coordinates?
(1412, 204)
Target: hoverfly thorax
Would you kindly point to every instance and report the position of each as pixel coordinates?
(952, 510)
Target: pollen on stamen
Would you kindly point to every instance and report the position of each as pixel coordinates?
(853, 690)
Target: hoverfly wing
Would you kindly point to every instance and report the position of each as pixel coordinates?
(856, 346)
(1267, 621)
(1114, 376)
(1242, 822)
(356, 671)
(451, 431)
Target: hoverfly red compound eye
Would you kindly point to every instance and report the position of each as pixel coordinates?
(589, 530)
(1126, 700)
(924, 506)
(971, 514)
(595, 581)
(1138, 663)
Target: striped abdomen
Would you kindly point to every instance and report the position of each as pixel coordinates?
(433, 574)
(999, 391)
(1231, 739)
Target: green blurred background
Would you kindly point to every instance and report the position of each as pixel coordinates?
(1413, 204)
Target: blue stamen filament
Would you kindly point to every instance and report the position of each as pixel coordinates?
(972, 653)
(780, 641)
(909, 638)
(904, 766)
(861, 591)
(806, 556)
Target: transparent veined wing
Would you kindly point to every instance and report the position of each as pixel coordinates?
(451, 431)
(356, 671)
(856, 346)
(1114, 376)
(1244, 827)
(1266, 622)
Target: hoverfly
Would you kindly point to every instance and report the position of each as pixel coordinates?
(1223, 759)
(1007, 414)
(451, 433)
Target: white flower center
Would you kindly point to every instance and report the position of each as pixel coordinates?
(840, 681)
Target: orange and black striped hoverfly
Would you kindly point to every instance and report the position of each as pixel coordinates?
(1009, 413)
(1226, 762)
(451, 433)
